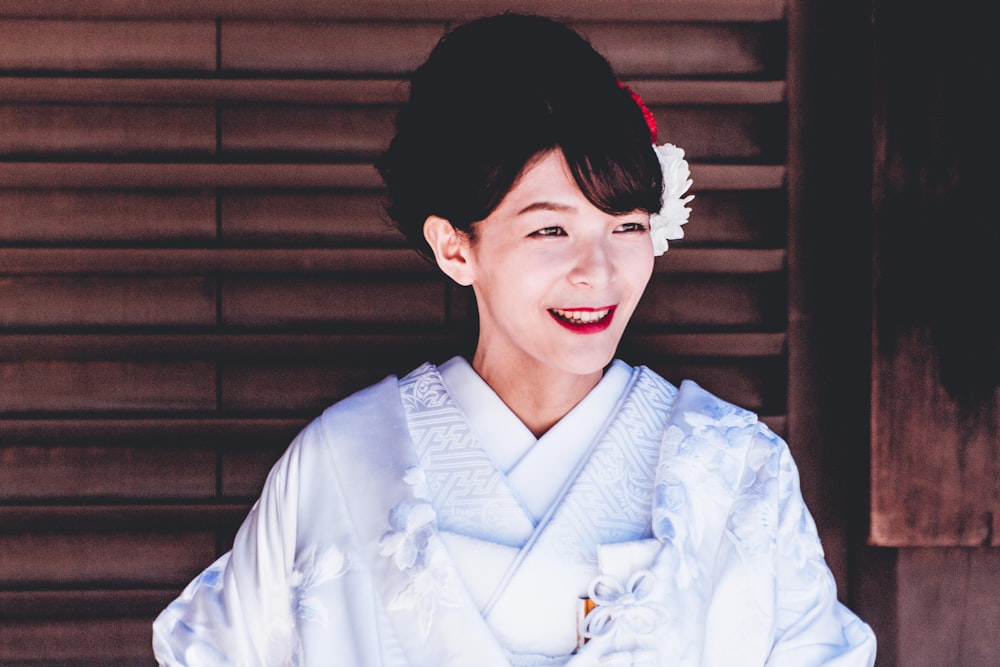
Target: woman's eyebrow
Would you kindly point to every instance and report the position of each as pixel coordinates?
(547, 206)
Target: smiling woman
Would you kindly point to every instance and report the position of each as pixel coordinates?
(544, 504)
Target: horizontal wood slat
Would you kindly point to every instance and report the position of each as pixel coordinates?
(684, 296)
(749, 134)
(715, 134)
(636, 10)
(115, 642)
(179, 90)
(167, 300)
(683, 92)
(227, 433)
(306, 388)
(111, 471)
(700, 301)
(32, 386)
(98, 45)
(756, 385)
(687, 49)
(724, 134)
(373, 300)
(79, 346)
(62, 261)
(634, 49)
(68, 261)
(722, 261)
(728, 345)
(345, 132)
(147, 431)
(289, 388)
(108, 216)
(296, 218)
(56, 129)
(746, 219)
(274, 175)
(311, 217)
(126, 559)
(169, 175)
(75, 521)
(326, 46)
(725, 177)
(79, 604)
(360, 92)
(243, 471)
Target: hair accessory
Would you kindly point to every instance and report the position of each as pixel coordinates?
(654, 135)
(666, 224)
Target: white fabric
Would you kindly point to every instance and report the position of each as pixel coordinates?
(497, 428)
(386, 533)
(531, 607)
(536, 468)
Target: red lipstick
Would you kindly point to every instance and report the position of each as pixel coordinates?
(570, 319)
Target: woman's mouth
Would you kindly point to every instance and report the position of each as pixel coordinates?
(584, 320)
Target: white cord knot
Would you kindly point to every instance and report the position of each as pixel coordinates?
(620, 605)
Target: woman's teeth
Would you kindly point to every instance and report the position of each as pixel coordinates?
(581, 316)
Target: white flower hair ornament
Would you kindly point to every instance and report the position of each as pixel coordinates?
(665, 225)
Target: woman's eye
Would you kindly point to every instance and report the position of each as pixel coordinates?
(631, 227)
(549, 231)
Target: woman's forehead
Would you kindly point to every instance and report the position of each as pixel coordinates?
(546, 181)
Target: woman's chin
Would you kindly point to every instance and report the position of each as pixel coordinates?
(586, 364)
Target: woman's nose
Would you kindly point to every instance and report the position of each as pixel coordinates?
(592, 265)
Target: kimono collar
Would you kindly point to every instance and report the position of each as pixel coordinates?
(510, 444)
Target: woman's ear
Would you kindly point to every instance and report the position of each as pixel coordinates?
(451, 249)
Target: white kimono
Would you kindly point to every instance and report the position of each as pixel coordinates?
(418, 522)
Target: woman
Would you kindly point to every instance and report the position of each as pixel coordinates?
(543, 505)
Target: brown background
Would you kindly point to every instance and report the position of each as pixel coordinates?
(193, 263)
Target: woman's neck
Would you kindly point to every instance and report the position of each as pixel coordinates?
(541, 396)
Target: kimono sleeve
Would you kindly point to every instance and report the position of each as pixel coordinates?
(239, 610)
(813, 628)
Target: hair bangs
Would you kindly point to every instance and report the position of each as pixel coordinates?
(618, 182)
(609, 151)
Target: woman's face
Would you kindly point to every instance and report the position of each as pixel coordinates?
(556, 279)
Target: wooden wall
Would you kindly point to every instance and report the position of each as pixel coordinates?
(936, 373)
(937, 326)
(193, 263)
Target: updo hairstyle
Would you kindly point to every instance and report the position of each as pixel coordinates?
(493, 95)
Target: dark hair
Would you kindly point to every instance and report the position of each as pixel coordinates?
(494, 94)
